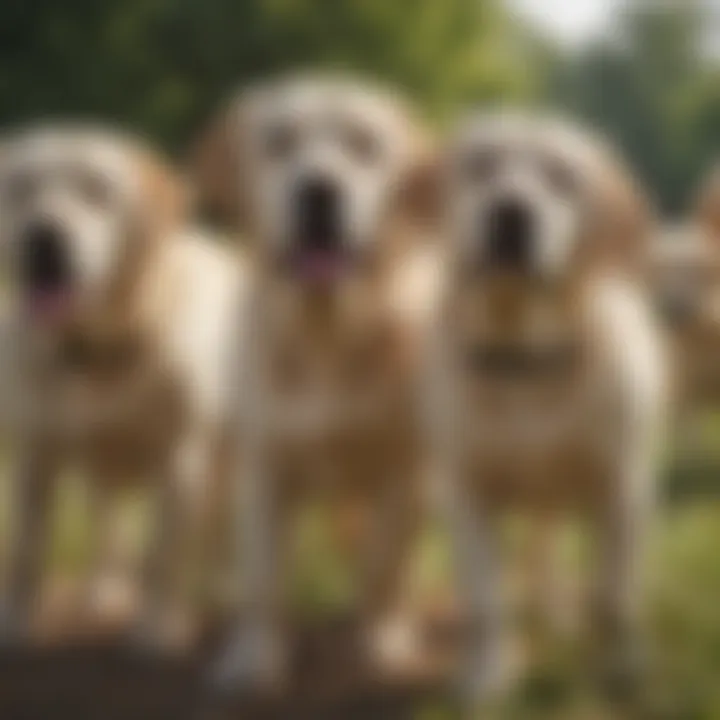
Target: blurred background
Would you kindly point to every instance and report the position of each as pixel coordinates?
(645, 72)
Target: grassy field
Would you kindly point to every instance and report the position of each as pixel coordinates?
(683, 598)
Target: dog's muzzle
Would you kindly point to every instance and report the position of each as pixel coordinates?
(508, 229)
(45, 268)
(319, 251)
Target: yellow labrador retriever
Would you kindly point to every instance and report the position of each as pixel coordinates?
(318, 171)
(547, 380)
(113, 350)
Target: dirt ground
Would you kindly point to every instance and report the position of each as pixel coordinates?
(106, 681)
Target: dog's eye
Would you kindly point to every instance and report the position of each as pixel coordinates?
(480, 166)
(20, 188)
(561, 177)
(97, 189)
(279, 142)
(363, 145)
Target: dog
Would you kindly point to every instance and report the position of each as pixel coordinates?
(547, 378)
(685, 267)
(326, 176)
(685, 272)
(114, 349)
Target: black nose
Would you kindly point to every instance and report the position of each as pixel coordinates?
(509, 238)
(318, 215)
(44, 262)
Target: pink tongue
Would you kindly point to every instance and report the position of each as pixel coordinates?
(321, 267)
(49, 306)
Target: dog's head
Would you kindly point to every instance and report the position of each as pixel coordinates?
(82, 210)
(531, 197)
(686, 266)
(315, 170)
(686, 278)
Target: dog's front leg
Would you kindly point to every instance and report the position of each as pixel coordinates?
(254, 658)
(32, 486)
(113, 584)
(630, 436)
(391, 621)
(483, 663)
(166, 620)
(484, 659)
(623, 529)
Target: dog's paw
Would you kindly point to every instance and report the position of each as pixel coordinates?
(170, 632)
(109, 606)
(487, 674)
(252, 663)
(396, 648)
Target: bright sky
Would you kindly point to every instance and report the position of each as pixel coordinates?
(571, 21)
(575, 22)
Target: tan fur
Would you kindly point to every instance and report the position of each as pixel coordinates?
(685, 264)
(575, 432)
(216, 162)
(328, 390)
(622, 226)
(130, 390)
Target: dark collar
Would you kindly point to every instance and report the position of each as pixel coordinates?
(509, 361)
(111, 355)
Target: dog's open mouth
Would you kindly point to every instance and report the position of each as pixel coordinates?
(321, 267)
(49, 306)
(319, 254)
(46, 276)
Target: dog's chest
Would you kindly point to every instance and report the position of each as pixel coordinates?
(528, 403)
(124, 418)
(535, 441)
(324, 393)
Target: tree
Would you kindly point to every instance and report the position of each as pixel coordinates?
(161, 65)
(654, 91)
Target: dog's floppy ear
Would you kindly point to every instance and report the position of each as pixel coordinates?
(420, 192)
(623, 220)
(217, 166)
(708, 205)
(420, 197)
(160, 211)
(165, 199)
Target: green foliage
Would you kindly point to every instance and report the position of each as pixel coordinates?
(161, 65)
(655, 90)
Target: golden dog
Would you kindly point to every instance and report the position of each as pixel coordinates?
(113, 352)
(319, 171)
(547, 381)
